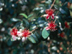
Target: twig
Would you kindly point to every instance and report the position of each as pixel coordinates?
(33, 30)
(57, 13)
(52, 4)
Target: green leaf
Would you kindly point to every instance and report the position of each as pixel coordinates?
(30, 15)
(15, 51)
(45, 33)
(70, 13)
(1, 21)
(70, 1)
(26, 22)
(31, 39)
(35, 38)
(14, 19)
(41, 5)
(23, 15)
(71, 32)
(48, 2)
(9, 42)
(36, 9)
(12, 39)
(38, 36)
(57, 1)
(63, 47)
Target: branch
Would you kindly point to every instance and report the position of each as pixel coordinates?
(52, 4)
(33, 30)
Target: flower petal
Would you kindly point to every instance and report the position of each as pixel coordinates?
(14, 38)
(52, 16)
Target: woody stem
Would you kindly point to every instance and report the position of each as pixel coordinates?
(52, 4)
(33, 30)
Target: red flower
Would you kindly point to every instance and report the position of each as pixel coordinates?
(25, 33)
(66, 25)
(61, 34)
(49, 12)
(52, 16)
(51, 26)
(14, 31)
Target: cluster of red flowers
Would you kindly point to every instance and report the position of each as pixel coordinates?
(15, 33)
(51, 26)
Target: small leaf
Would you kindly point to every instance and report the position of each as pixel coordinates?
(1, 21)
(31, 39)
(14, 19)
(35, 38)
(36, 9)
(26, 22)
(48, 2)
(30, 15)
(45, 33)
(57, 1)
(23, 15)
(33, 26)
(12, 39)
(62, 11)
(70, 1)
(64, 48)
(9, 42)
(71, 32)
(41, 5)
(38, 36)
(1, 9)
(71, 13)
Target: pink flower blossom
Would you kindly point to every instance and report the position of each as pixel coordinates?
(19, 33)
(51, 26)
(23, 39)
(14, 37)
